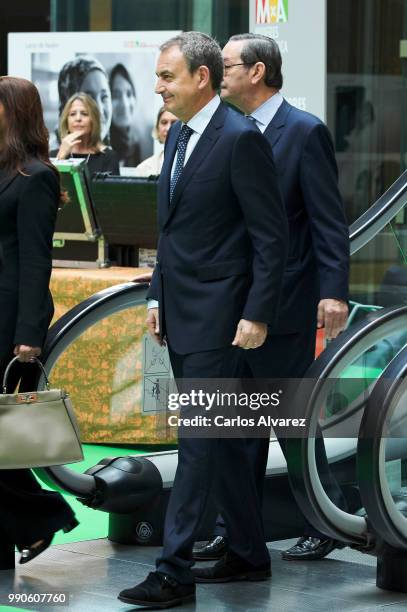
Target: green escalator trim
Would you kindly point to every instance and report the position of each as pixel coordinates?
(362, 372)
(14, 609)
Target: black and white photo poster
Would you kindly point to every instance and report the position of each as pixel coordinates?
(116, 68)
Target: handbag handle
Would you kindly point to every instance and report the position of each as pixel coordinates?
(6, 373)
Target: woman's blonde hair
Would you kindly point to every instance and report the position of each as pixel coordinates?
(95, 141)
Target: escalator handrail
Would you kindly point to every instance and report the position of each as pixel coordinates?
(374, 490)
(299, 450)
(62, 477)
(321, 367)
(68, 320)
(373, 220)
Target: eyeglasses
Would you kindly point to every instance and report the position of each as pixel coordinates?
(227, 66)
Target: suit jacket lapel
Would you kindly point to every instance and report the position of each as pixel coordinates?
(169, 155)
(275, 128)
(200, 152)
(165, 174)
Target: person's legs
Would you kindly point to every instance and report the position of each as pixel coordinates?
(283, 357)
(7, 554)
(202, 463)
(289, 357)
(28, 513)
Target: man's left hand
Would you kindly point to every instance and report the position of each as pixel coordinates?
(332, 315)
(250, 334)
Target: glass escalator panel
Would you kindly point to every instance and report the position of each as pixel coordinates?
(378, 271)
(100, 359)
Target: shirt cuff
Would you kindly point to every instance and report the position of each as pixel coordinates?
(152, 304)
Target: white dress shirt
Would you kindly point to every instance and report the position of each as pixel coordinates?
(265, 113)
(198, 124)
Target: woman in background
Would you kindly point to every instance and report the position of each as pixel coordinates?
(79, 130)
(87, 74)
(152, 165)
(30, 195)
(124, 135)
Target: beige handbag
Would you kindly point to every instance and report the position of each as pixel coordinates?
(37, 429)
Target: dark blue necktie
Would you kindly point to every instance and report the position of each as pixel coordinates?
(184, 136)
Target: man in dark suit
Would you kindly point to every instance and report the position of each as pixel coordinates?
(221, 255)
(315, 287)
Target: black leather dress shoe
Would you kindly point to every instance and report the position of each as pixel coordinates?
(310, 549)
(212, 550)
(159, 591)
(30, 552)
(232, 568)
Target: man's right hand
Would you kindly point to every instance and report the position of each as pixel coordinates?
(153, 325)
(143, 278)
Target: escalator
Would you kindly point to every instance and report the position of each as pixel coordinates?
(134, 490)
(383, 440)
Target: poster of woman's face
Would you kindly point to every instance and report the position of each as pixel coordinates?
(122, 85)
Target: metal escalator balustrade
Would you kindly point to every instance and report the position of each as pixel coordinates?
(61, 336)
(327, 371)
(378, 245)
(372, 221)
(383, 437)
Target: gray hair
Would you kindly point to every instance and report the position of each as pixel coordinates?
(199, 50)
(260, 48)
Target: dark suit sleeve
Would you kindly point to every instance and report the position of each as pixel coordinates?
(36, 214)
(255, 182)
(330, 232)
(153, 290)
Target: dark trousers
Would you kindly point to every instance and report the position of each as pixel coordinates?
(28, 513)
(203, 464)
(285, 356)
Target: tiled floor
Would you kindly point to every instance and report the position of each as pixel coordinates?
(94, 572)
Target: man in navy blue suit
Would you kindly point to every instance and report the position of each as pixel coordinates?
(220, 261)
(315, 287)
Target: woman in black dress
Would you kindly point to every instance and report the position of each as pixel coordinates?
(29, 198)
(79, 130)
